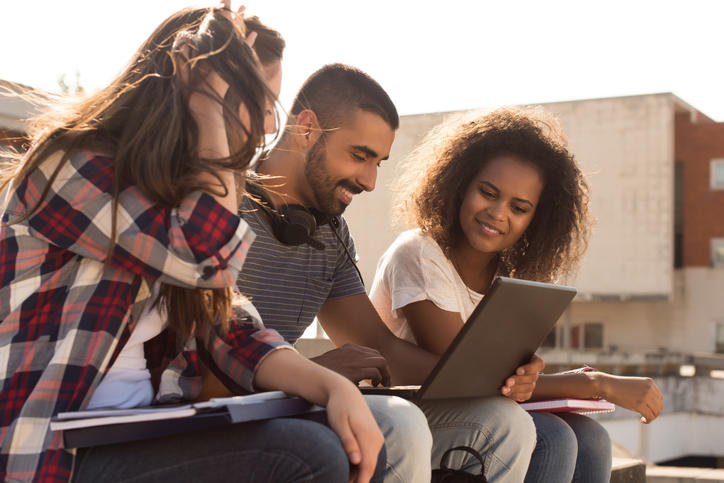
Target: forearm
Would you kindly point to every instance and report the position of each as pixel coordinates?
(409, 364)
(286, 370)
(581, 385)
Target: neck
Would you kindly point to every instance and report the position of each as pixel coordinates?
(285, 166)
(476, 268)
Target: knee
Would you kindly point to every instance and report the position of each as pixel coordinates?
(592, 436)
(515, 421)
(553, 433)
(403, 424)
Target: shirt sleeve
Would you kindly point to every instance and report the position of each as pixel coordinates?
(240, 350)
(415, 273)
(197, 244)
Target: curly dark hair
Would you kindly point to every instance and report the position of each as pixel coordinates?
(437, 175)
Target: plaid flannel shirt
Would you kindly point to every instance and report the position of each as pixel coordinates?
(64, 313)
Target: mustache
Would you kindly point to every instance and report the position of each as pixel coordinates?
(350, 186)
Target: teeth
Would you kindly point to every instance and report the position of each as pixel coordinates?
(490, 229)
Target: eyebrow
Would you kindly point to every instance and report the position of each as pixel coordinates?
(519, 200)
(368, 151)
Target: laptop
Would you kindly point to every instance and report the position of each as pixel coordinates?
(502, 333)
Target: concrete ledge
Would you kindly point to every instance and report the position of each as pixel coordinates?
(678, 474)
(628, 470)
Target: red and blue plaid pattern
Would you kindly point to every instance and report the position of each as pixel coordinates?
(64, 312)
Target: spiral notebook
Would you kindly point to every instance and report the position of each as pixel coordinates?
(581, 406)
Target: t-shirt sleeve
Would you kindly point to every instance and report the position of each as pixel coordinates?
(346, 279)
(414, 272)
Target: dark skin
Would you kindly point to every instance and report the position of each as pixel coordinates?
(498, 206)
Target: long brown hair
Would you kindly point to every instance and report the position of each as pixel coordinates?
(439, 171)
(144, 120)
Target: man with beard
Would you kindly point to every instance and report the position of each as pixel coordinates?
(340, 129)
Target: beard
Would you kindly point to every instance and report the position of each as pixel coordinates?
(324, 186)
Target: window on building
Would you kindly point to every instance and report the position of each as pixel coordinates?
(678, 214)
(593, 335)
(717, 174)
(719, 341)
(717, 252)
(575, 342)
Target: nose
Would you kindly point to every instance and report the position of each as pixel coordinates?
(496, 211)
(368, 177)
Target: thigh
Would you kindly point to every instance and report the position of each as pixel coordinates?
(556, 450)
(272, 450)
(594, 449)
(496, 427)
(407, 438)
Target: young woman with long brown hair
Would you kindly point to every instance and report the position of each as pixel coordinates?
(119, 241)
(500, 194)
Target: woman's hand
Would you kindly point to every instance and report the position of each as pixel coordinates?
(347, 410)
(638, 394)
(520, 386)
(351, 419)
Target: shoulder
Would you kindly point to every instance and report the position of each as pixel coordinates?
(415, 244)
(341, 226)
(406, 252)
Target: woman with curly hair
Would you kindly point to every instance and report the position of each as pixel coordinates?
(119, 244)
(500, 195)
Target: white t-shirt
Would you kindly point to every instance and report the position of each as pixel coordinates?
(414, 268)
(127, 384)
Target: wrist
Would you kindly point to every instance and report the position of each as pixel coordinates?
(599, 386)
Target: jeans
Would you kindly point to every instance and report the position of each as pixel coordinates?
(278, 450)
(496, 427)
(407, 439)
(571, 447)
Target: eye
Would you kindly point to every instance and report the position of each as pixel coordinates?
(487, 194)
(519, 210)
(357, 157)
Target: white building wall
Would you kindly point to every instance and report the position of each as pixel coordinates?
(686, 323)
(626, 149)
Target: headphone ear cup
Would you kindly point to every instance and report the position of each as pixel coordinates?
(298, 225)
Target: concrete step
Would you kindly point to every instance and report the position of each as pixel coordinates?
(678, 474)
(628, 470)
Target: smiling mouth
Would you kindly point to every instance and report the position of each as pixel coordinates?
(346, 195)
(489, 229)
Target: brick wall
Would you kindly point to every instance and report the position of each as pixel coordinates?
(696, 144)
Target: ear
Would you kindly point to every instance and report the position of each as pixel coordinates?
(307, 128)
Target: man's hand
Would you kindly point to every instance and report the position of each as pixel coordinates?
(356, 363)
(520, 386)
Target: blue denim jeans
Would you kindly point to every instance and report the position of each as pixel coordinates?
(407, 439)
(282, 450)
(496, 427)
(570, 447)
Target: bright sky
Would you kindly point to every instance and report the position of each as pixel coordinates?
(430, 56)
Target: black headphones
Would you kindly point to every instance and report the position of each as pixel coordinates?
(295, 225)
(291, 224)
